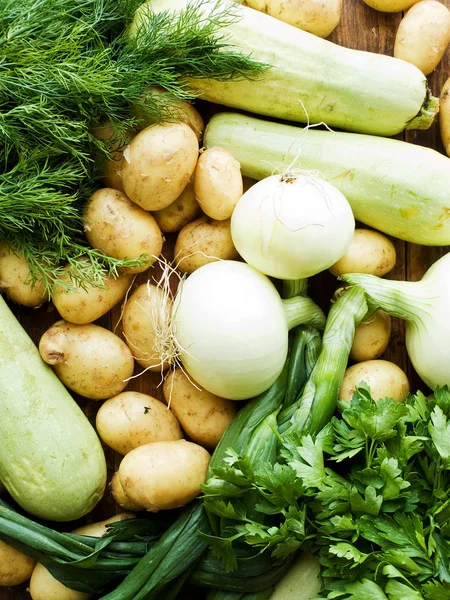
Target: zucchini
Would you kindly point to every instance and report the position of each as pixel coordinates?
(51, 460)
(399, 188)
(310, 79)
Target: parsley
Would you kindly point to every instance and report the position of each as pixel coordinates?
(369, 495)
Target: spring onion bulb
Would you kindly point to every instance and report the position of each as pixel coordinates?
(231, 328)
(424, 305)
(292, 225)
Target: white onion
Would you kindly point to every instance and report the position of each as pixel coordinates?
(292, 226)
(231, 327)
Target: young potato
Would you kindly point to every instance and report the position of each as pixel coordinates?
(158, 164)
(384, 378)
(43, 586)
(85, 305)
(218, 183)
(121, 229)
(132, 419)
(146, 326)
(111, 172)
(184, 210)
(15, 279)
(15, 567)
(182, 111)
(390, 6)
(203, 241)
(99, 528)
(90, 360)
(319, 18)
(444, 116)
(371, 337)
(370, 252)
(203, 416)
(119, 496)
(164, 475)
(423, 35)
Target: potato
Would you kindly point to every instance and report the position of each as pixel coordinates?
(369, 252)
(119, 495)
(164, 475)
(390, 6)
(319, 18)
(203, 241)
(15, 567)
(444, 116)
(15, 279)
(371, 337)
(146, 327)
(90, 360)
(218, 183)
(132, 419)
(121, 229)
(85, 305)
(182, 111)
(184, 210)
(384, 378)
(202, 415)
(158, 164)
(111, 171)
(423, 35)
(99, 528)
(43, 586)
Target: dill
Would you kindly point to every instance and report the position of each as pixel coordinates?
(65, 67)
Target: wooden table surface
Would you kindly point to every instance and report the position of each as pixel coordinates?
(361, 28)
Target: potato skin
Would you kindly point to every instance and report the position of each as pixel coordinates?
(423, 35)
(121, 229)
(15, 567)
(319, 17)
(43, 586)
(82, 306)
(164, 475)
(158, 164)
(132, 419)
(384, 378)
(181, 212)
(14, 279)
(203, 241)
(146, 311)
(371, 337)
(119, 496)
(111, 171)
(90, 360)
(444, 116)
(370, 252)
(218, 183)
(203, 416)
(99, 528)
(390, 6)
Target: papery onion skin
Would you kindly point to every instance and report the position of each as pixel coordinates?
(292, 226)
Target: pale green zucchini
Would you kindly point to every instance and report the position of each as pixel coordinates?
(311, 79)
(399, 188)
(51, 460)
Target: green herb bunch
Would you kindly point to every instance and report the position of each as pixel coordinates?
(67, 66)
(369, 494)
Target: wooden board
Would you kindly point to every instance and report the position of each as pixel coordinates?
(360, 28)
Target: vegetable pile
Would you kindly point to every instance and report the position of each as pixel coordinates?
(216, 302)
